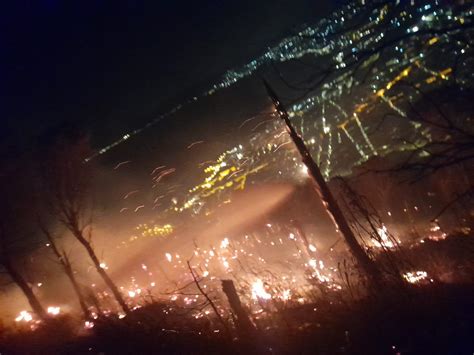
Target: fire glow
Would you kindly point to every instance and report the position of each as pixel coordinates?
(54, 310)
(259, 292)
(415, 276)
(24, 316)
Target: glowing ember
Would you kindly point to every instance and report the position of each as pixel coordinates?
(259, 292)
(225, 263)
(436, 233)
(384, 241)
(415, 277)
(317, 266)
(54, 310)
(304, 169)
(24, 316)
(225, 243)
(285, 295)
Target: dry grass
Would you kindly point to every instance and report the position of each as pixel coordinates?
(434, 317)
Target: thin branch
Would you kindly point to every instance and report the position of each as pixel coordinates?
(216, 311)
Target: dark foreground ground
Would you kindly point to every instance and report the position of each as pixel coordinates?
(432, 318)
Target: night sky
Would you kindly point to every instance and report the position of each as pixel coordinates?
(108, 67)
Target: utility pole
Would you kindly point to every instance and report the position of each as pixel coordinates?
(329, 202)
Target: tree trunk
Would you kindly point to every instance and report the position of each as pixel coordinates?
(206, 296)
(77, 288)
(93, 298)
(27, 291)
(108, 281)
(324, 192)
(244, 325)
(66, 264)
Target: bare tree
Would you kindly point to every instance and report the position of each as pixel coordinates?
(422, 91)
(330, 203)
(450, 128)
(64, 261)
(69, 184)
(15, 231)
(209, 300)
(7, 263)
(449, 149)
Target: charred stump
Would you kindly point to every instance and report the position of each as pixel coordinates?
(244, 325)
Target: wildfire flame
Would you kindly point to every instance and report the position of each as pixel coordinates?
(384, 241)
(259, 292)
(24, 316)
(54, 310)
(415, 276)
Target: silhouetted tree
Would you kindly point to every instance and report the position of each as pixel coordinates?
(16, 232)
(447, 148)
(329, 202)
(68, 179)
(433, 97)
(63, 260)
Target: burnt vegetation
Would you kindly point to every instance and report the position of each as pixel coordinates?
(407, 292)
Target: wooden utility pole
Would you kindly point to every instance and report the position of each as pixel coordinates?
(329, 202)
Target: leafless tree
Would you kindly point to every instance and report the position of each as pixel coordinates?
(451, 132)
(7, 263)
(447, 150)
(15, 233)
(68, 180)
(63, 259)
(445, 122)
(329, 202)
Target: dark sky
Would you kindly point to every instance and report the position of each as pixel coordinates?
(111, 66)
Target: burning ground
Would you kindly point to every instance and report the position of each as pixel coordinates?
(339, 221)
(297, 282)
